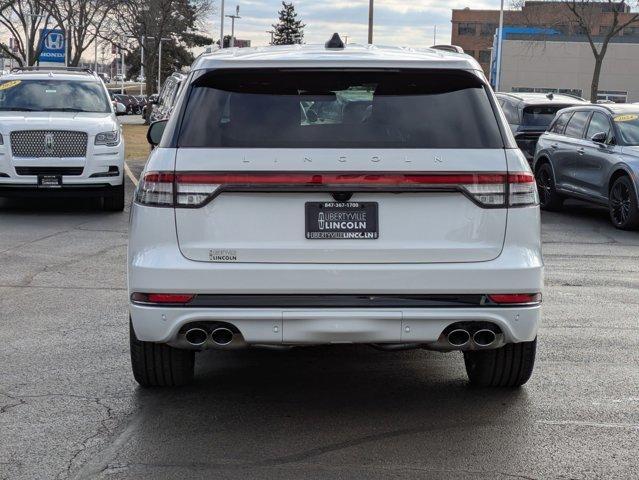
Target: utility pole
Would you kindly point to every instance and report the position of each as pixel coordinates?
(222, 24)
(272, 33)
(142, 78)
(499, 45)
(95, 65)
(370, 21)
(233, 17)
(122, 67)
(435, 35)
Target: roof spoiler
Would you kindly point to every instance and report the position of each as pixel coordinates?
(449, 48)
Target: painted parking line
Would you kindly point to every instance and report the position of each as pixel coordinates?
(129, 174)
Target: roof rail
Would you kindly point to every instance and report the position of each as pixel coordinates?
(449, 48)
(38, 68)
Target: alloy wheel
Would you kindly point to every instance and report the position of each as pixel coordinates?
(620, 202)
(544, 186)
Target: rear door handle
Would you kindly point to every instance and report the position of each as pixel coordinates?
(554, 145)
(580, 151)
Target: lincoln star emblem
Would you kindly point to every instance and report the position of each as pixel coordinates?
(48, 142)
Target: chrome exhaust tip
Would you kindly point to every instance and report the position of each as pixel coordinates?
(484, 337)
(196, 336)
(458, 337)
(222, 336)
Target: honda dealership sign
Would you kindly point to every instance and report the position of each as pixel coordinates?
(52, 45)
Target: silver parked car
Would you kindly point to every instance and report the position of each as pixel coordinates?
(592, 153)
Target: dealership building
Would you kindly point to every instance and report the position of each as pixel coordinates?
(555, 63)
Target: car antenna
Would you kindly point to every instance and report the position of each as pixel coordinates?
(550, 96)
(335, 42)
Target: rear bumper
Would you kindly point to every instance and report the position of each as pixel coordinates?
(155, 264)
(325, 326)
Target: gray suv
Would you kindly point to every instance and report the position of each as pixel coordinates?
(529, 115)
(592, 153)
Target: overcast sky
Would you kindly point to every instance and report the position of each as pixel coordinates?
(397, 22)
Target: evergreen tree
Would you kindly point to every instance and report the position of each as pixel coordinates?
(289, 30)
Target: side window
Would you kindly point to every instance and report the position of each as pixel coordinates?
(560, 123)
(510, 110)
(575, 127)
(166, 92)
(598, 123)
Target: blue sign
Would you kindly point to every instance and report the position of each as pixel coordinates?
(52, 45)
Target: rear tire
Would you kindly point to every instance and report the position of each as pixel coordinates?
(622, 204)
(158, 365)
(508, 366)
(114, 202)
(549, 199)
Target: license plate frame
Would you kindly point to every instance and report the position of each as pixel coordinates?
(49, 181)
(342, 220)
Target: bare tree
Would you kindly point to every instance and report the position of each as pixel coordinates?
(588, 16)
(82, 21)
(150, 21)
(23, 20)
(600, 21)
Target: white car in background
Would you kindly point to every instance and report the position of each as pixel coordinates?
(335, 194)
(59, 136)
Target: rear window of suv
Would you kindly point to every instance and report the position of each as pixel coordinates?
(339, 108)
(540, 115)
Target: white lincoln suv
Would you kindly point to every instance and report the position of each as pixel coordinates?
(59, 136)
(335, 194)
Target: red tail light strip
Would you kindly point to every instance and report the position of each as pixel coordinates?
(195, 189)
(300, 178)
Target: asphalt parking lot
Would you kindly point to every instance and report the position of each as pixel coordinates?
(69, 407)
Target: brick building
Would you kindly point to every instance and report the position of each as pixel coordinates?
(473, 30)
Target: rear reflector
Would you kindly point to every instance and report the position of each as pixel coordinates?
(194, 189)
(162, 298)
(515, 298)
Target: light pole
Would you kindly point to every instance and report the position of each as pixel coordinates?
(222, 24)
(370, 21)
(272, 35)
(160, 62)
(233, 17)
(499, 45)
(27, 47)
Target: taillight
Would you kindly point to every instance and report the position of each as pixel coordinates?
(156, 188)
(194, 189)
(522, 189)
(162, 298)
(515, 298)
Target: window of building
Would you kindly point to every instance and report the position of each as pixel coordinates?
(568, 91)
(488, 29)
(467, 28)
(579, 29)
(604, 29)
(613, 96)
(631, 32)
(484, 56)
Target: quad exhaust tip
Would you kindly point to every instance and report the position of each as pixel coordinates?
(458, 337)
(222, 336)
(484, 337)
(196, 336)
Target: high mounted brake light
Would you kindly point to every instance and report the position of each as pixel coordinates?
(194, 189)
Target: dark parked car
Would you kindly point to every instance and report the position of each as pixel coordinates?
(148, 105)
(161, 110)
(529, 115)
(592, 153)
(127, 101)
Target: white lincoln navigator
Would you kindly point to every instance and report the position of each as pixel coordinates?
(335, 194)
(59, 136)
